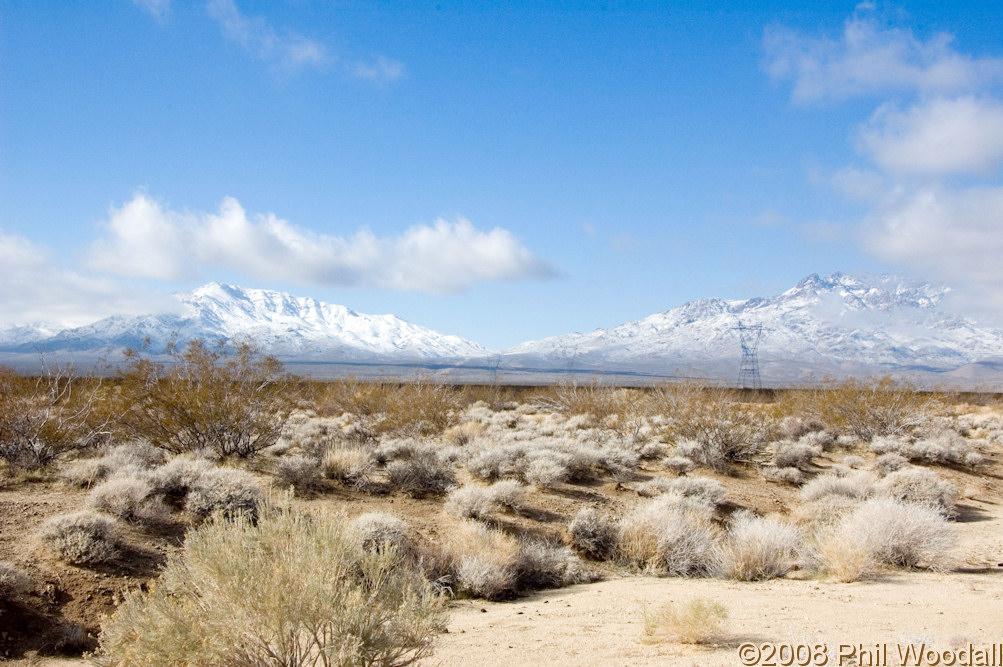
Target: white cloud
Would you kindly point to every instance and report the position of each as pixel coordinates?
(381, 70)
(159, 9)
(145, 240)
(290, 50)
(938, 136)
(956, 234)
(869, 59)
(35, 289)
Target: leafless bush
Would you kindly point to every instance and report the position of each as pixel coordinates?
(921, 487)
(44, 417)
(889, 463)
(899, 534)
(424, 474)
(594, 535)
(857, 485)
(670, 534)
(758, 548)
(301, 472)
(82, 538)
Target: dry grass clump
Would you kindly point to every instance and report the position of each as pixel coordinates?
(889, 463)
(922, 487)
(131, 497)
(698, 621)
(82, 538)
(793, 476)
(594, 535)
(288, 590)
(485, 560)
(757, 548)
(348, 465)
(671, 534)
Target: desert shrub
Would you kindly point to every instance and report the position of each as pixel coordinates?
(711, 426)
(13, 582)
(509, 494)
(176, 478)
(43, 417)
(757, 548)
(899, 534)
(856, 485)
(670, 534)
(699, 621)
(347, 465)
(594, 535)
(678, 464)
(380, 530)
(544, 565)
(843, 559)
(794, 476)
(423, 474)
(288, 590)
(82, 538)
(593, 401)
(795, 454)
(301, 472)
(470, 502)
(821, 514)
(854, 462)
(547, 469)
(485, 560)
(890, 462)
(865, 408)
(233, 401)
(943, 446)
(922, 487)
(128, 457)
(129, 496)
(230, 491)
(412, 409)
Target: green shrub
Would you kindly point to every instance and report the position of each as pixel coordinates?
(289, 590)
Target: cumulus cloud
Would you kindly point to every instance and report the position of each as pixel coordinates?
(144, 239)
(869, 58)
(937, 136)
(262, 41)
(934, 146)
(33, 288)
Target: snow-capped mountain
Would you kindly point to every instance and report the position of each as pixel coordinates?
(290, 327)
(839, 325)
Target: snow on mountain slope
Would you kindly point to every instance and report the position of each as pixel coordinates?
(282, 324)
(882, 323)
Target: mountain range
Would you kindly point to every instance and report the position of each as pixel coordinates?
(835, 326)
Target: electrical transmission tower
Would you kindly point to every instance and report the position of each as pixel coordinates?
(748, 373)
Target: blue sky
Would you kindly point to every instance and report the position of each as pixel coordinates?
(504, 171)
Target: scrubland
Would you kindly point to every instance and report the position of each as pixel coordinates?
(216, 511)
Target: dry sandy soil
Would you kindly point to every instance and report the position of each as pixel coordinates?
(593, 624)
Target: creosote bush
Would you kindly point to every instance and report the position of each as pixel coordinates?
(289, 590)
(229, 400)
